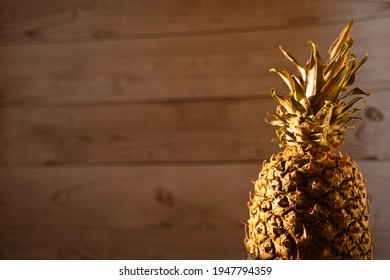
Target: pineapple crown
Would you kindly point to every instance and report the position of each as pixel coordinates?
(314, 115)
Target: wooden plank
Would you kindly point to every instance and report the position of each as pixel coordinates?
(227, 65)
(75, 243)
(177, 212)
(177, 197)
(58, 21)
(163, 212)
(201, 131)
(370, 138)
(230, 130)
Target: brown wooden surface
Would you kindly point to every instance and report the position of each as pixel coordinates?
(125, 212)
(160, 132)
(224, 65)
(58, 21)
(185, 131)
(192, 211)
(132, 129)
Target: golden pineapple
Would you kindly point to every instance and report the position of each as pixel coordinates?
(310, 202)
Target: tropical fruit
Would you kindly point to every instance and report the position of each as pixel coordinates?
(310, 202)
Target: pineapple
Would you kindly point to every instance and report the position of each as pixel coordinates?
(309, 201)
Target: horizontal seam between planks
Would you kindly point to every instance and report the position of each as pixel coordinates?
(99, 103)
(114, 164)
(133, 102)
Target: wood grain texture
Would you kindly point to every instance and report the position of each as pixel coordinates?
(226, 65)
(176, 212)
(79, 243)
(370, 138)
(188, 212)
(228, 130)
(63, 21)
(187, 197)
(197, 131)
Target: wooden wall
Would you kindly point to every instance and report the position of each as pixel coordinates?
(133, 129)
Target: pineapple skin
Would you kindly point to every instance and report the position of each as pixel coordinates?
(309, 206)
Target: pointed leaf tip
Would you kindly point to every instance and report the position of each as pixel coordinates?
(294, 61)
(340, 40)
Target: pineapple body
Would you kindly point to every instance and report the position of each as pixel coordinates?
(309, 207)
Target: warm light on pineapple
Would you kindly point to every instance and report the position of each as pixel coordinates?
(309, 202)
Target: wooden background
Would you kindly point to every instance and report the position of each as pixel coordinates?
(133, 129)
